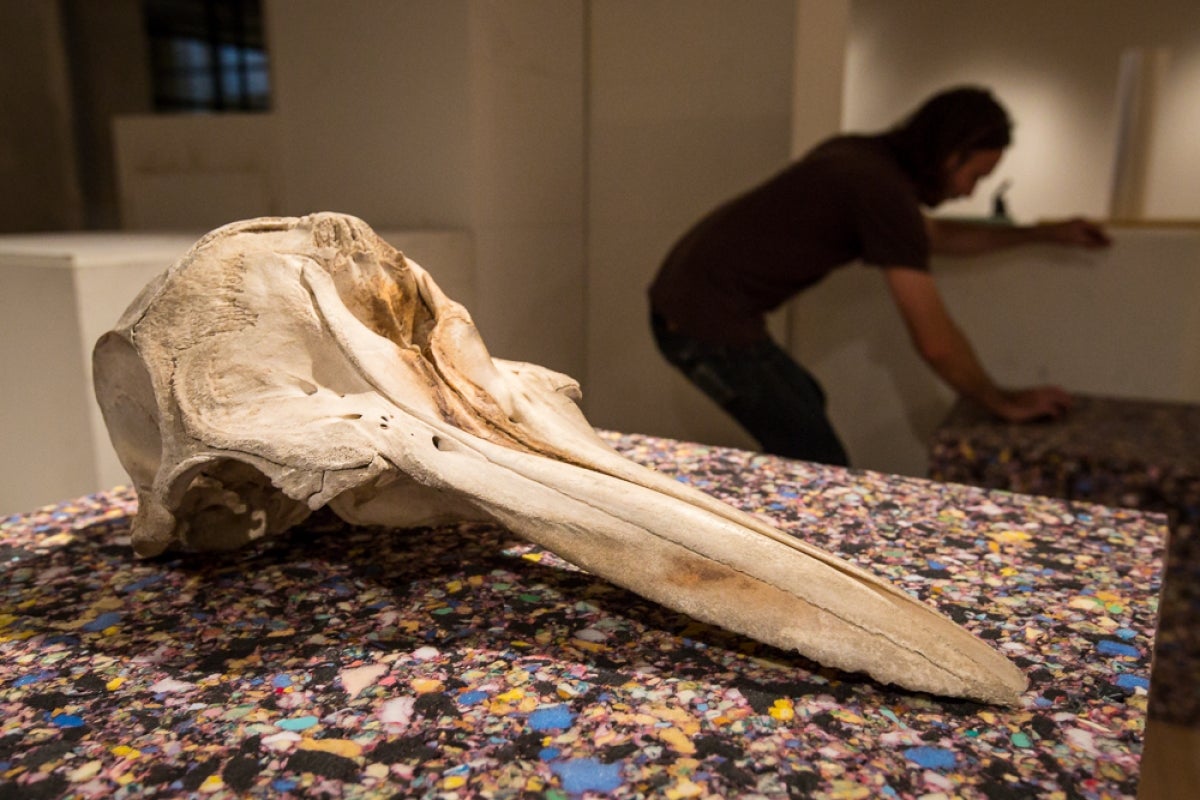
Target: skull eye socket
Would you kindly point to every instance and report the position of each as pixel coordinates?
(230, 503)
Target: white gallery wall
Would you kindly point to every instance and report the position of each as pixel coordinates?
(1055, 66)
(412, 114)
(528, 99)
(459, 115)
(371, 101)
(689, 103)
(1120, 322)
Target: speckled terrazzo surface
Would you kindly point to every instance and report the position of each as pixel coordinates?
(1114, 451)
(1120, 452)
(459, 662)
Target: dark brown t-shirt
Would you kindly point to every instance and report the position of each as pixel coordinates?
(847, 200)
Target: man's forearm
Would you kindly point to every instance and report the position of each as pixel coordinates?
(961, 238)
(955, 362)
(945, 348)
(964, 238)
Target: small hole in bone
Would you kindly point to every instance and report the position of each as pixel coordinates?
(437, 442)
(351, 416)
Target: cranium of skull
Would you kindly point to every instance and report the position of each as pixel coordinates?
(283, 365)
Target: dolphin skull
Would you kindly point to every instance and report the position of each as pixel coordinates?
(283, 365)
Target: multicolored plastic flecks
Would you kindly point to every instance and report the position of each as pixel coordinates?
(458, 662)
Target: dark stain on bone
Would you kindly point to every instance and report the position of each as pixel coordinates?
(689, 572)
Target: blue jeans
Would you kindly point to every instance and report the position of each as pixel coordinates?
(775, 399)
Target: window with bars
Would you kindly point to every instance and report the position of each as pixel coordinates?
(207, 55)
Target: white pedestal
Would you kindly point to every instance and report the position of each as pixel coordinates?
(58, 294)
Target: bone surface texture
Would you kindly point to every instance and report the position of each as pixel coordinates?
(283, 365)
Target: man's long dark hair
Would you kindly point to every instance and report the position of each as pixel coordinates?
(953, 122)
